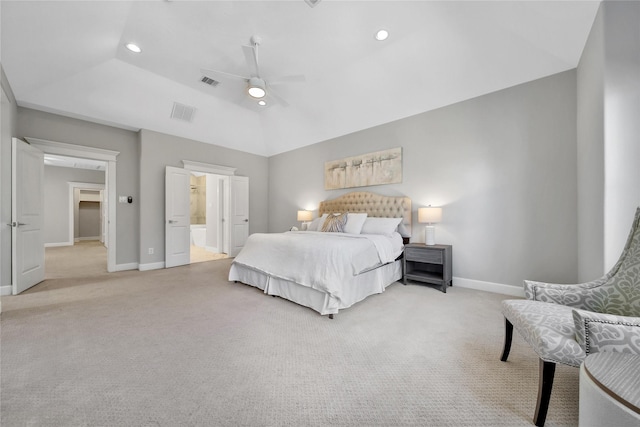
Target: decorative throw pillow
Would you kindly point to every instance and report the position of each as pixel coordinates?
(355, 221)
(335, 223)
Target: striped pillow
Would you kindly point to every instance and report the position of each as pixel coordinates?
(335, 223)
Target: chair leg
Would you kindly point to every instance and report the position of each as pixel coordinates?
(508, 335)
(545, 383)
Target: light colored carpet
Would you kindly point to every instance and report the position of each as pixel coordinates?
(200, 254)
(183, 346)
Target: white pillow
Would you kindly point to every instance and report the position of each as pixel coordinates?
(403, 230)
(355, 221)
(316, 223)
(386, 226)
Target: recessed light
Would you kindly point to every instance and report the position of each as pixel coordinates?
(133, 47)
(262, 103)
(382, 35)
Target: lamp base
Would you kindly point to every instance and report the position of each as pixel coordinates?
(430, 235)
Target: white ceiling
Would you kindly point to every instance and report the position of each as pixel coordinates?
(69, 58)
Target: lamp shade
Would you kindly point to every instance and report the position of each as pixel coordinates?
(305, 215)
(429, 215)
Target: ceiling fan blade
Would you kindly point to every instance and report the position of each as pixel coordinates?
(288, 79)
(251, 55)
(221, 75)
(274, 95)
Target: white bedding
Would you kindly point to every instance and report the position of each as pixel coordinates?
(321, 261)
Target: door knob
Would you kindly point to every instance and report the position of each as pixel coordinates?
(246, 220)
(172, 221)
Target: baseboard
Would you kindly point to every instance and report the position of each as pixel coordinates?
(53, 245)
(6, 290)
(126, 267)
(78, 239)
(496, 288)
(151, 266)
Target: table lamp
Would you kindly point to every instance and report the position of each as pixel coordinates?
(429, 216)
(304, 217)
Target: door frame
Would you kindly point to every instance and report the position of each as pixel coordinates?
(108, 156)
(225, 172)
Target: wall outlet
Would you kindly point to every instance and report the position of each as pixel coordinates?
(150, 251)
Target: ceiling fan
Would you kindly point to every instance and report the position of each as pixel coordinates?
(256, 87)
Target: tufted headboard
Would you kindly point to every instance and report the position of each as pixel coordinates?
(375, 205)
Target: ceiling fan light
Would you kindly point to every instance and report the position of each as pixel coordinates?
(382, 34)
(257, 92)
(256, 88)
(133, 47)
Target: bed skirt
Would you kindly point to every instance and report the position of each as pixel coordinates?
(355, 289)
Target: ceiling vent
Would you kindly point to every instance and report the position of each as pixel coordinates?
(182, 112)
(312, 3)
(209, 81)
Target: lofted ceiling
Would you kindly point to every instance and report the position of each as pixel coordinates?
(70, 58)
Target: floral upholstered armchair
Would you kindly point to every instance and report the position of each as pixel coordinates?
(565, 323)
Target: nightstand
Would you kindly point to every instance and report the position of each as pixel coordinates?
(427, 264)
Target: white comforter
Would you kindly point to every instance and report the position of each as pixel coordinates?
(318, 260)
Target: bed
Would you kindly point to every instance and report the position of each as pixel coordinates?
(328, 272)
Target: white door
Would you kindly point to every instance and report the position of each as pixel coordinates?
(177, 217)
(239, 213)
(27, 212)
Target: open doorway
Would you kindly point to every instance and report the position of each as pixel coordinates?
(208, 212)
(75, 216)
(87, 155)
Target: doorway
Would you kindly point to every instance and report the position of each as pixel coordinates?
(75, 216)
(234, 224)
(208, 213)
(82, 154)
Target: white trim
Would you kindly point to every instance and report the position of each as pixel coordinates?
(125, 267)
(53, 147)
(55, 245)
(6, 290)
(496, 288)
(208, 168)
(64, 149)
(151, 266)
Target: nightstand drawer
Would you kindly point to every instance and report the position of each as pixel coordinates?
(432, 256)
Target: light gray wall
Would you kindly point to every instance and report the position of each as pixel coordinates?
(38, 124)
(158, 150)
(608, 136)
(621, 124)
(502, 166)
(8, 124)
(590, 154)
(56, 199)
